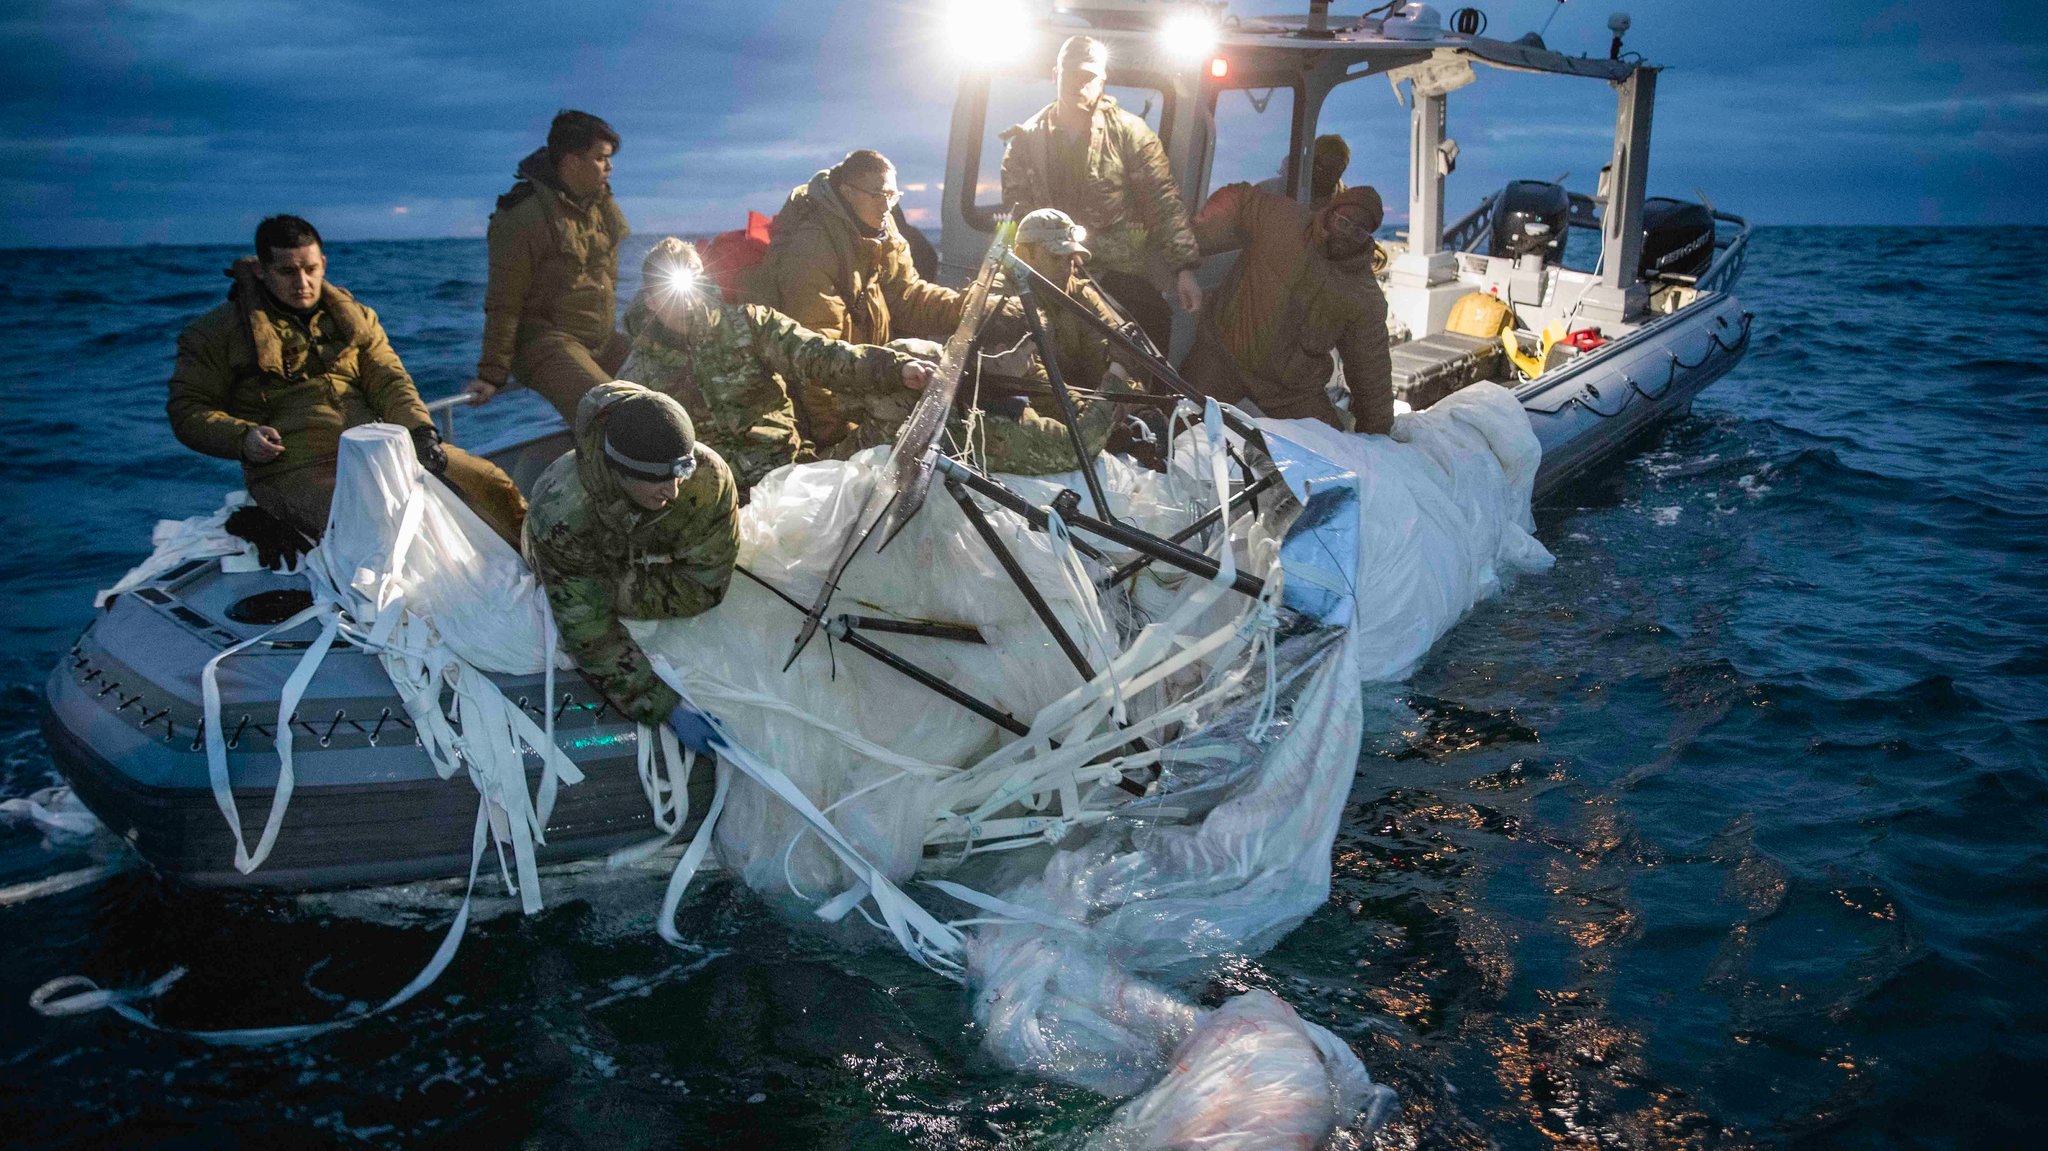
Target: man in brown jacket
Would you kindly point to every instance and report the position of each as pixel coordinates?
(550, 308)
(273, 377)
(1302, 287)
(1106, 169)
(838, 266)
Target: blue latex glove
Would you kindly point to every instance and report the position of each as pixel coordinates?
(693, 729)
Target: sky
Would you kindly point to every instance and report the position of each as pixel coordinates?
(186, 121)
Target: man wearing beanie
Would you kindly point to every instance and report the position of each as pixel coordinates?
(639, 521)
(1303, 287)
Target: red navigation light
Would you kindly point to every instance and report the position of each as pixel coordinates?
(1219, 67)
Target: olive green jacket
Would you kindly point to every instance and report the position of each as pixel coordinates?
(738, 377)
(827, 271)
(250, 362)
(554, 264)
(1285, 306)
(602, 557)
(1124, 194)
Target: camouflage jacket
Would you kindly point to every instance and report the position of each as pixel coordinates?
(749, 380)
(554, 263)
(602, 557)
(251, 362)
(1035, 441)
(1123, 194)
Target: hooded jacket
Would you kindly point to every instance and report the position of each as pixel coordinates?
(602, 557)
(827, 271)
(1285, 306)
(739, 376)
(554, 264)
(1123, 192)
(251, 362)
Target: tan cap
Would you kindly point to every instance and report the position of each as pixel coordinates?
(1053, 230)
(1084, 54)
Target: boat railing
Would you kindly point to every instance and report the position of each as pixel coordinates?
(443, 413)
(1729, 257)
(1472, 229)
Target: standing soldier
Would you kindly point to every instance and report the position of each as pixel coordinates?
(638, 521)
(1105, 168)
(273, 377)
(550, 307)
(1303, 287)
(735, 367)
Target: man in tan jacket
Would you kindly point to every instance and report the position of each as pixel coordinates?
(1302, 287)
(838, 265)
(550, 309)
(1106, 169)
(273, 377)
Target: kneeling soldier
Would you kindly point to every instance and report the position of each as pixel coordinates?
(735, 366)
(639, 521)
(273, 377)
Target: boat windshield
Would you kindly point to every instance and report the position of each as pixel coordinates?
(1254, 136)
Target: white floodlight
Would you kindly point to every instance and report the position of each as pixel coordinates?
(680, 280)
(1188, 36)
(989, 33)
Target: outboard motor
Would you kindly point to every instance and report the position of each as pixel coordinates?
(1530, 216)
(1678, 238)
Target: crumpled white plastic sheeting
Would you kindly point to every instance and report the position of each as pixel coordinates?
(482, 599)
(60, 815)
(863, 742)
(1442, 514)
(173, 542)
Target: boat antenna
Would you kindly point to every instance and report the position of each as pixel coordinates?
(1548, 19)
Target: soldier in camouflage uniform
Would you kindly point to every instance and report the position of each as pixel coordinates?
(1026, 435)
(733, 367)
(639, 521)
(1107, 169)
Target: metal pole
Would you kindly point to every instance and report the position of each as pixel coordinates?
(1050, 362)
(1031, 595)
(1210, 517)
(860, 643)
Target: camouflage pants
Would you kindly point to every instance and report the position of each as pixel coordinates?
(303, 496)
(562, 368)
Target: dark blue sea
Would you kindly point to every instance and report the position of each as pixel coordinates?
(1731, 831)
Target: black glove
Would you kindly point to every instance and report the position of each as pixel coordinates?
(1007, 407)
(426, 444)
(278, 544)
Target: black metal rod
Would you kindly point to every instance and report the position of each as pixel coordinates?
(1132, 567)
(1049, 360)
(901, 666)
(1019, 385)
(1010, 501)
(1138, 541)
(1031, 595)
(1134, 355)
(959, 633)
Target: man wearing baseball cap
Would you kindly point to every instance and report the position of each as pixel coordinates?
(1025, 434)
(1106, 169)
(639, 521)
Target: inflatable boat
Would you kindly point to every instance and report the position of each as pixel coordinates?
(1594, 359)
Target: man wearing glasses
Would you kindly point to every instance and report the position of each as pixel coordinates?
(838, 265)
(1303, 287)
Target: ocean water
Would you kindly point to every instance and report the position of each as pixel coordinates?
(1731, 831)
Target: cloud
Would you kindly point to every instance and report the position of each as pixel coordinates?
(126, 121)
